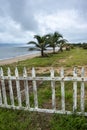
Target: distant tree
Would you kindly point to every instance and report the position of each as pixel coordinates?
(62, 42)
(84, 45)
(41, 43)
(68, 47)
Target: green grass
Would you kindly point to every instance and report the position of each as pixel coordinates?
(66, 122)
(74, 57)
(25, 120)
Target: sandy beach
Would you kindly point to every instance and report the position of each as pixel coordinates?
(18, 58)
(23, 57)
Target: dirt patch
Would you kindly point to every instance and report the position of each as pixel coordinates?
(70, 57)
(68, 71)
(62, 60)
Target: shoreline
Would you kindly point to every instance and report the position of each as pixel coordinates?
(21, 58)
(18, 58)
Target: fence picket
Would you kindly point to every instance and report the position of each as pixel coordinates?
(10, 87)
(53, 89)
(0, 97)
(82, 91)
(75, 90)
(3, 87)
(62, 90)
(26, 88)
(18, 87)
(34, 88)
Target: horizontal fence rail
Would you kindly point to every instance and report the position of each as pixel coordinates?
(11, 91)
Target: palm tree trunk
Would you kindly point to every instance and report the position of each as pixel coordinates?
(53, 49)
(61, 49)
(42, 52)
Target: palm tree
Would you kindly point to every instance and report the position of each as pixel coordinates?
(53, 40)
(41, 43)
(61, 43)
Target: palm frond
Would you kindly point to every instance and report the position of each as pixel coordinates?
(32, 42)
(63, 41)
(38, 38)
(57, 34)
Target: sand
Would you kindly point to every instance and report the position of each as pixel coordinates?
(17, 59)
(24, 57)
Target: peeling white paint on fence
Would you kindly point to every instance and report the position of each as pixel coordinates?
(18, 87)
(26, 88)
(53, 90)
(34, 88)
(0, 98)
(75, 90)
(33, 78)
(62, 90)
(10, 87)
(82, 91)
(3, 87)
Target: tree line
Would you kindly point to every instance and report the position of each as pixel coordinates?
(49, 40)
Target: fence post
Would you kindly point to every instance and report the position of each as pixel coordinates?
(26, 88)
(3, 87)
(53, 90)
(62, 90)
(34, 88)
(82, 90)
(10, 87)
(75, 90)
(18, 87)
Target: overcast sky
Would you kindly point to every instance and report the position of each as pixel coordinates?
(21, 19)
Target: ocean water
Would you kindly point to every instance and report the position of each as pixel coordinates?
(8, 51)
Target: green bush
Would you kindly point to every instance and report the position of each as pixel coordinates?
(84, 45)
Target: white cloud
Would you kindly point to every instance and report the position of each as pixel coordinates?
(62, 20)
(67, 22)
(11, 31)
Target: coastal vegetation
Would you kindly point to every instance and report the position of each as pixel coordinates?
(41, 43)
(52, 40)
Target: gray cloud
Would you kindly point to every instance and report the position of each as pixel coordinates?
(22, 12)
(20, 18)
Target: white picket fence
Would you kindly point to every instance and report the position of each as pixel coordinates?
(25, 78)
